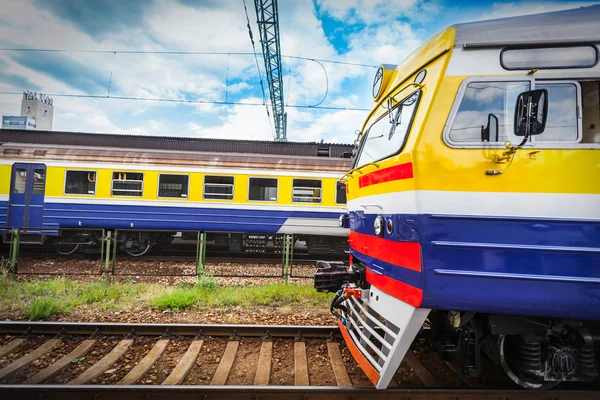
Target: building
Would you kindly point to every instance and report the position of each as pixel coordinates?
(14, 122)
(40, 107)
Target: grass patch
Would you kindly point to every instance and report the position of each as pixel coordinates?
(41, 299)
(177, 300)
(42, 308)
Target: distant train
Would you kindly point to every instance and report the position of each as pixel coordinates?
(474, 204)
(242, 192)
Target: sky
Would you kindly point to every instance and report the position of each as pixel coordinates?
(96, 36)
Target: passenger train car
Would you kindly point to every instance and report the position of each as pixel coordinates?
(474, 203)
(54, 181)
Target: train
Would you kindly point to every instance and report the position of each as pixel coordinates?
(474, 205)
(62, 189)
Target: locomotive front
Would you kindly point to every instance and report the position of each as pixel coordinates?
(473, 202)
(378, 297)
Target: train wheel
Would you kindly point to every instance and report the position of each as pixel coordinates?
(66, 248)
(511, 348)
(138, 250)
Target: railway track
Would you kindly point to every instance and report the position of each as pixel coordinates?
(156, 361)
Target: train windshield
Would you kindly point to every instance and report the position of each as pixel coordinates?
(387, 135)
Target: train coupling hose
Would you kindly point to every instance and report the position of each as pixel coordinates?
(343, 294)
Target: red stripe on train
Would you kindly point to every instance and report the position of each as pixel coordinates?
(402, 254)
(400, 290)
(395, 173)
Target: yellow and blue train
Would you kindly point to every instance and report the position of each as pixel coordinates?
(53, 181)
(474, 203)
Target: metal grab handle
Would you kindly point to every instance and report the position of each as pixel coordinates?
(365, 206)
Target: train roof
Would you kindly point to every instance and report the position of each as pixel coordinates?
(580, 25)
(169, 143)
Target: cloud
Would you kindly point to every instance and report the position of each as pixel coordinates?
(63, 68)
(372, 12)
(513, 9)
(99, 18)
(240, 122)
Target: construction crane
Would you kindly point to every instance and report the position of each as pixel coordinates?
(268, 27)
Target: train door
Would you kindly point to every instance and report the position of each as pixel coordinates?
(26, 203)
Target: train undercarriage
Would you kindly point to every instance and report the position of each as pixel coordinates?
(139, 243)
(535, 353)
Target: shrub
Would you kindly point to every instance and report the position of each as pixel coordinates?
(41, 308)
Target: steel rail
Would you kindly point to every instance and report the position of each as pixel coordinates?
(192, 392)
(154, 329)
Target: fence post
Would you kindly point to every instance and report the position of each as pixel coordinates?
(102, 247)
(287, 240)
(107, 255)
(14, 249)
(200, 253)
(114, 255)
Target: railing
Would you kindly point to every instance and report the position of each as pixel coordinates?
(138, 253)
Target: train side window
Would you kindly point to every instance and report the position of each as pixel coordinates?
(80, 182)
(127, 184)
(590, 94)
(218, 187)
(481, 100)
(176, 186)
(306, 191)
(262, 189)
(20, 180)
(340, 193)
(39, 181)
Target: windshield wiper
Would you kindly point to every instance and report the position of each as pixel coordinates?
(396, 121)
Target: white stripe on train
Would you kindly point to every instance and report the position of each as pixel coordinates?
(500, 204)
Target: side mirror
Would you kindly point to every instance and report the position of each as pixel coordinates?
(531, 112)
(490, 132)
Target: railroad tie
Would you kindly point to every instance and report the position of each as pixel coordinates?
(300, 365)
(263, 370)
(226, 363)
(466, 380)
(185, 364)
(422, 372)
(105, 363)
(143, 366)
(65, 361)
(339, 369)
(12, 345)
(26, 360)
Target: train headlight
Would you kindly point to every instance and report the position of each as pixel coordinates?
(389, 227)
(344, 221)
(378, 226)
(341, 221)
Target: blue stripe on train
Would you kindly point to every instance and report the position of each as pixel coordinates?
(527, 266)
(172, 218)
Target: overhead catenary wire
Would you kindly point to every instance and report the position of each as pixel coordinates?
(167, 100)
(184, 52)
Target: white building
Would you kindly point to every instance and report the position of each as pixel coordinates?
(39, 107)
(14, 122)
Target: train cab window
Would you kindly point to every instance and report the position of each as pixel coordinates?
(386, 136)
(482, 101)
(176, 186)
(80, 182)
(218, 187)
(262, 189)
(20, 180)
(306, 191)
(39, 181)
(127, 184)
(340, 193)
